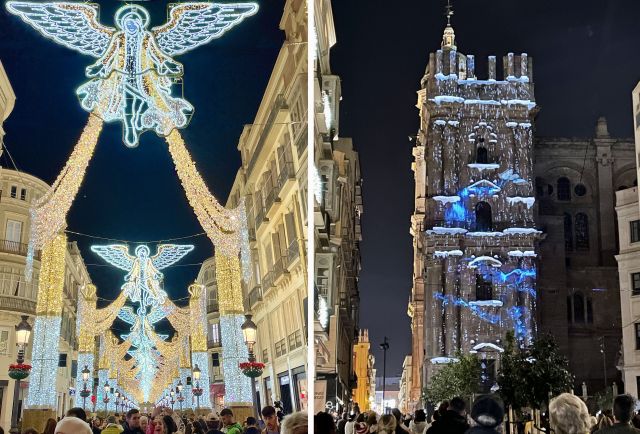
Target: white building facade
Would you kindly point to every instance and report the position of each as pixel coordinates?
(629, 271)
(17, 297)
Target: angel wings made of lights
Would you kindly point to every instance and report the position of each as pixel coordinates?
(131, 80)
(143, 280)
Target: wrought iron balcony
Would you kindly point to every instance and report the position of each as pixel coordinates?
(7, 246)
(255, 295)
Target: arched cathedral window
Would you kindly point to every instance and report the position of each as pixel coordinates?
(564, 189)
(582, 231)
(568, 233)
(482, 156)
(484, 288)
(484, 220)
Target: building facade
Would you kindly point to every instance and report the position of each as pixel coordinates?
(363, 362)
(18, 190)
(635, 96)
(337, 195)
(207, 277)
(629, 274)
(405, 404)
(272, 182)
(7, 100)
(474, 226)
(579, 291)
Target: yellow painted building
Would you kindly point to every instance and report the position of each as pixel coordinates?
(363, 362)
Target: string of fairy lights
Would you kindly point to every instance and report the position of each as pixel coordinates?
(131, 83)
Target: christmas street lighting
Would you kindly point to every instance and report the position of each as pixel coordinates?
(250, 333)
(21, 371)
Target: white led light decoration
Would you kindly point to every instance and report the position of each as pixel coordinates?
(143, 281)
(131, 80)
(84, 359)
(234, 351)
(42, 381)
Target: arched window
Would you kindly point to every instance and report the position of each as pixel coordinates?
(582, 231)
(484, 288)
(482, 157)
(484, 221)
(589, 311)
(564, 189)
(578, 308)
(569, 310)
(568, 233)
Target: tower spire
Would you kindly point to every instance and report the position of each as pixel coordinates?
(449, 36)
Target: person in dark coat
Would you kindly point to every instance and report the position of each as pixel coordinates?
(487, 412)
(453, 421)
(342, 422)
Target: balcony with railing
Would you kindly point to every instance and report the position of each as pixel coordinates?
(293, 252)
(17, 295)
(213, 343)
(271, 197)
(255, 295)
(212, 306)
(268, 281)
(286, 174)
(280, 267)
(8, 246)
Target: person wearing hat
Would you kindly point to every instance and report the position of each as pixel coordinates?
(487, 413)
(72, 425)
(213, 425)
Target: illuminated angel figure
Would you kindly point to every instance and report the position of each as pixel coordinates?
(131, 81)
(142, 282)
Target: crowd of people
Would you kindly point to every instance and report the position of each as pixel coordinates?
(163, 420)
(486, 416)
(568, 414)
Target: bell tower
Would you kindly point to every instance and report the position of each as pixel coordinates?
(474, 223)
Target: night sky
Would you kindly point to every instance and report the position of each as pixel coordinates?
(586, 64)
(135, 194)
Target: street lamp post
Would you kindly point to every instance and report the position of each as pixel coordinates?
(173, 401)
(197, 391)
(85, 392)
(385, 346)
(179, 387)
(250, 332)
(23, 332)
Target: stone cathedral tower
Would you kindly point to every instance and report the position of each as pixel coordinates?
(474, 228)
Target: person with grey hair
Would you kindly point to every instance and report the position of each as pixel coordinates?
(295, 423)
(568, 414)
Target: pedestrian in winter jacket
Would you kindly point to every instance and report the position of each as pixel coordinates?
(487, 412)
(452, 421)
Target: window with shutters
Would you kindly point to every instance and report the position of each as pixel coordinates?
(635, 231)
(4, 342)
(215, 333)
(13, 233)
